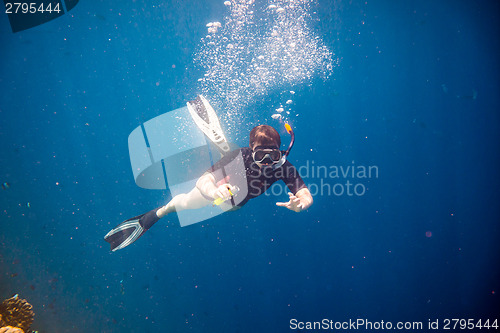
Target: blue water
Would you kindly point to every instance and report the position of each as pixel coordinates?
(415, 93)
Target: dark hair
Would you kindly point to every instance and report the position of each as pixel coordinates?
(264, 135)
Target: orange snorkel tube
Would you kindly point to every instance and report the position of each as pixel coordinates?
(290, 131)
(285, 154)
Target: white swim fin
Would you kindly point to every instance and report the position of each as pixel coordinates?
(207, 121)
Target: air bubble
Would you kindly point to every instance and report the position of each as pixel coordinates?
(244, 61)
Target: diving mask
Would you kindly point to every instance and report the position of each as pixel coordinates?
(266, 155)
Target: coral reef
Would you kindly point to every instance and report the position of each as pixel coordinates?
(16, 312)
(10, 329)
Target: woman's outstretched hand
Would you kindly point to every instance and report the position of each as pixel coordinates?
(293, 204)
(298, 202)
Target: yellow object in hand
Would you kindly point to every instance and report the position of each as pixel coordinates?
(219, 201)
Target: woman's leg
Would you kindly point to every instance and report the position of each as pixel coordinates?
(192, 200)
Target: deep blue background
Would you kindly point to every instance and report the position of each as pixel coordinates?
(401, 99)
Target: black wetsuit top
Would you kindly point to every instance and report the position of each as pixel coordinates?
(259, 180)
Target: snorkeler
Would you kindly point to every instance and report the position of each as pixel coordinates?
(264, 164)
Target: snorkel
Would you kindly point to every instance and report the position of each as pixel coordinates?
(285, 154)
(292, 140)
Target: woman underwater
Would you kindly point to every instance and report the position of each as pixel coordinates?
(264, 164)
